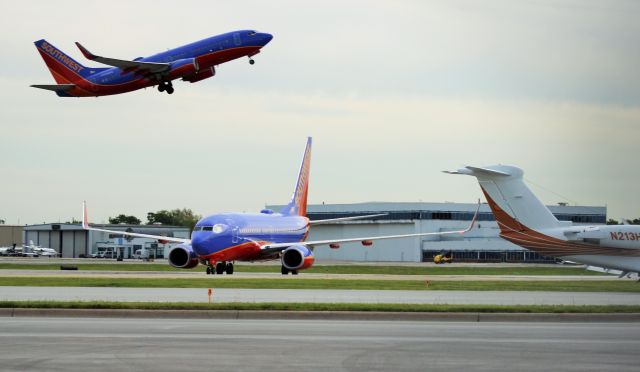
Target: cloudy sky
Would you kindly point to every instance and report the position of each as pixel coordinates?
(393, 92)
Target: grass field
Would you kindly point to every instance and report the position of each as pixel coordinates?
(322, 307)
(325, 269)
(299, 283)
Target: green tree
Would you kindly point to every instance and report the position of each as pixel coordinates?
(1, 221)
(177, 217)
(129, 220)
(611, 221)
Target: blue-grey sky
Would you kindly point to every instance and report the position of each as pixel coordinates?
(393, 92)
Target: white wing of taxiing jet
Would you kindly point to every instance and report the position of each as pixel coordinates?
(274, 247)
(85, 225)
(147, 67)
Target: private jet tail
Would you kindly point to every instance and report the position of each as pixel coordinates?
(298, 203)
(514, 206)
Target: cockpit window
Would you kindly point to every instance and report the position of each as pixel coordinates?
(207, 228)
(197, 228)
(251, 33)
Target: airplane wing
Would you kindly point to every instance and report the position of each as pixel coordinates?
(275, 247)
(320, 222)
(85, 225)
(54, 87)
(130, 66)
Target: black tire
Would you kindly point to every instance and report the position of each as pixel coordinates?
(294, 272)
(251, 61)
(209, 270)
(220, 266)
(170, 89)
(229, 268)
(161, 87)
(284, 270)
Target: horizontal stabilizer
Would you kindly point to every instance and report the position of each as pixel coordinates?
(469, 170)
(55, 87)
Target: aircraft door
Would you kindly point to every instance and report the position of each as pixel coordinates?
(236, 39)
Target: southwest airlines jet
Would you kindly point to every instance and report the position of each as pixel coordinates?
(192, 62)
(220, 239)
(525, 221)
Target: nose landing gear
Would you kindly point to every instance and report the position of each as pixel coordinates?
(251, 61)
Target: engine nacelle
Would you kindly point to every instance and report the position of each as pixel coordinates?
(297, 257)
(182, 256)
(200, 75)
(183, 67)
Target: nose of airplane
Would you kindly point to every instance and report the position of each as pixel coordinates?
(266, 38)
(198, 242)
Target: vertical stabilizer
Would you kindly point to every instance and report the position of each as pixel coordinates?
(298, 203)
(65, 70)
(513, 204)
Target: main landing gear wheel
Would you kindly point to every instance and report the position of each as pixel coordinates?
(229, 268)
(220, 266)
(284, 270)
(209, 270)
(165, 86)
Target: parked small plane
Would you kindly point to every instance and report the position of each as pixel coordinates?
(524, 220)
(220, 239)
(41, 251)
(192, 62)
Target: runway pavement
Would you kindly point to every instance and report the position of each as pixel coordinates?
(81, 344)
(259, 275)
(315, 296)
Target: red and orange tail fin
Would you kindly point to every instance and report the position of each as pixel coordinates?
(298, 203)
(65, 70)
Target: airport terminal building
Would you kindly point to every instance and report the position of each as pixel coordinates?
(481, 244)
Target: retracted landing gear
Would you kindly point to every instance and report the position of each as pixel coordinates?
(165, 86)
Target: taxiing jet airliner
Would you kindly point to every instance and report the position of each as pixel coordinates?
(525, 221)
(192, 63)
(220, 239)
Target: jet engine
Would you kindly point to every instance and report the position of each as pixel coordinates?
(200, 75)
(182, 256)
(183, 67)
(297, 257)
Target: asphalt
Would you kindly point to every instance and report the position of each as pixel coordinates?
(258, 275)
(315, 296)
(81, 344)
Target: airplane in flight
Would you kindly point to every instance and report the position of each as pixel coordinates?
(192, 62)
(525, 221)
(220, 239)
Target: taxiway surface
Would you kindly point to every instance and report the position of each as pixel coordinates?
(315, 295)
(80, 344)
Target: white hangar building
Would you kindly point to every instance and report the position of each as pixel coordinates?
(71, 240)
(480, 244)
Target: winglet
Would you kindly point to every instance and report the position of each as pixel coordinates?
(474, 219)
(85, 219)
(85, 52)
